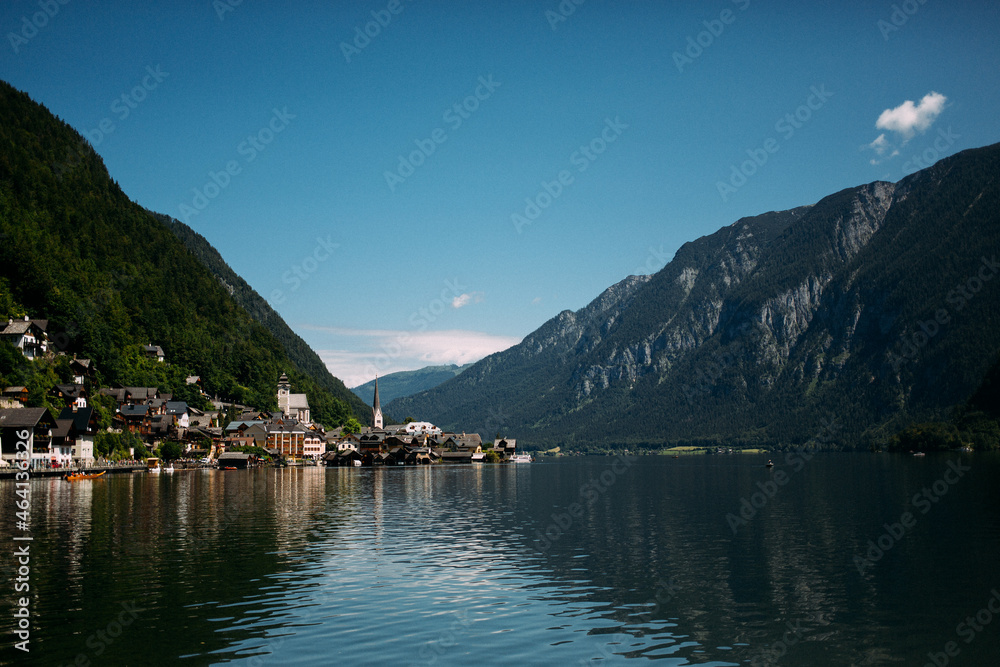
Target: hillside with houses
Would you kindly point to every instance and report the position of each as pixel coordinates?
(79, 423)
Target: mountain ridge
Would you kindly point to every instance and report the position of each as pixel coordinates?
(110, 277)
(405, 383)
(765, 328)
(299, 352)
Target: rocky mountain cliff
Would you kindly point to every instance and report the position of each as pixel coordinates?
(873, 307)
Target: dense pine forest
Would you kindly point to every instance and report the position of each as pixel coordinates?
(110, 277)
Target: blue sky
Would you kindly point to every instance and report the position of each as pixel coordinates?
(437, 189)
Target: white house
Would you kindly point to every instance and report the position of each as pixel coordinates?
(179, 411)
(422, 428)
(313, 446)
(82, 433)
(27, 335)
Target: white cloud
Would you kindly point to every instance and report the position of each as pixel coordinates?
(465, 299)
(880, 145)
(537, 300)
(356, 355)
(908, 118)
(904, 122)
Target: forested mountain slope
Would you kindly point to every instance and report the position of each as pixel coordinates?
(109, 276)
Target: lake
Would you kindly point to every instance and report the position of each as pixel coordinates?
(838, 559)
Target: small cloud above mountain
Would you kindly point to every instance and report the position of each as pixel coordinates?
(904, 122)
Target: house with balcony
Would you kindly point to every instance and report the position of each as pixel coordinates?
(27, 335)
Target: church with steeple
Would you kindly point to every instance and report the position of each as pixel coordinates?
(294, 406)
(377, 421)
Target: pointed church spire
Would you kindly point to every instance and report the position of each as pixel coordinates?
(376, 409)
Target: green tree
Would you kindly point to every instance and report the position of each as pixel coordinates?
(352, 425)
(132, 441)
(927, 437)
(105, 443)
(170, 451)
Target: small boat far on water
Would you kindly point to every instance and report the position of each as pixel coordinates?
(769, 464)
(521, 458)
(83, 475)
(919, 454)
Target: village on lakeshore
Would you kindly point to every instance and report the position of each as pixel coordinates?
(230, 435)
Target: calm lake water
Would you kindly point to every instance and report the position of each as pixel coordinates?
(567, 561)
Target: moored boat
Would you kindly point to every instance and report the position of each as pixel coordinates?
(521, 458)
(82, 475)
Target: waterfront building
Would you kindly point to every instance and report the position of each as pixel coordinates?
(34, 423)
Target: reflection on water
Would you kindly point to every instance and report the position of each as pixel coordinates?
(551, 563)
